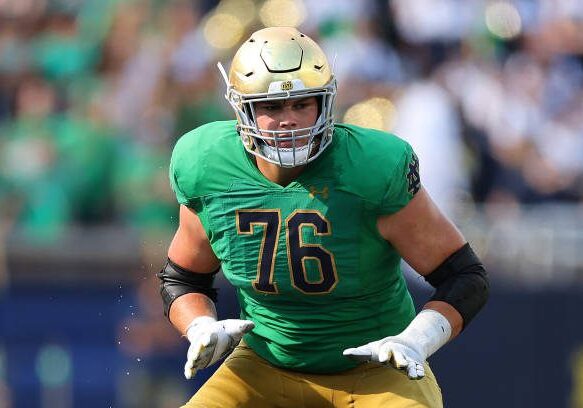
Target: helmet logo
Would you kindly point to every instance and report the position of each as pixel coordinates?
(287, 86)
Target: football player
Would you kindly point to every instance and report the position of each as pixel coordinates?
(309, 221)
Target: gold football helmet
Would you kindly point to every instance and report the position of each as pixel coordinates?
(279, 63)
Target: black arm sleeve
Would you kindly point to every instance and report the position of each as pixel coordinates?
(461, 281)
(176, 281)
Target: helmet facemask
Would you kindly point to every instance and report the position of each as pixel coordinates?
(306, 143)
(283, 84)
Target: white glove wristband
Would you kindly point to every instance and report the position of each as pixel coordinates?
(429, 330)
(197, 322)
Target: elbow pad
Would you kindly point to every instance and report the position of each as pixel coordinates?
(461, 281)
(176, 281)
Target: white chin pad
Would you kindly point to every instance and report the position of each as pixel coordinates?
(286, 155)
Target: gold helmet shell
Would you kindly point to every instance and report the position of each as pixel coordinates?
(278, 54)
(279, 63)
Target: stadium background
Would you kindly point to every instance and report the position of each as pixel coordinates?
(93, 94)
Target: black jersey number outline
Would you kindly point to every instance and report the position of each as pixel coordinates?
(298, 252)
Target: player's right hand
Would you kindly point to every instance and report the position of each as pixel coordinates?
(211, 340)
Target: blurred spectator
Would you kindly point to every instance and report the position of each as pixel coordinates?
(33, 189)
(427, 119)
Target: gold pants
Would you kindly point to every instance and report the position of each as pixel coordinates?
(247, 380)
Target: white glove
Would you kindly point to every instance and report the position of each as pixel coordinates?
(408, 350)
(211, 340)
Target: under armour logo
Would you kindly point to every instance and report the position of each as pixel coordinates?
(314, 192)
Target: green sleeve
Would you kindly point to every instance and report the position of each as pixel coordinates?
(185, 168)
(404, 183)
(180, 196)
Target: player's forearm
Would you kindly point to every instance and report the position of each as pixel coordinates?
(189, 306)
(453, 316)
(186, 294)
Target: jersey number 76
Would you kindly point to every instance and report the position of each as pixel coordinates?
(297, 251)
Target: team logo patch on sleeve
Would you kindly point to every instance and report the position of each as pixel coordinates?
(413, 175)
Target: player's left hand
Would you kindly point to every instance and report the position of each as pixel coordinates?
(393, 350)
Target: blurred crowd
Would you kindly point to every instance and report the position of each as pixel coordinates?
(94, 93)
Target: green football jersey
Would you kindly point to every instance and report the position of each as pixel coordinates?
(310, 267)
